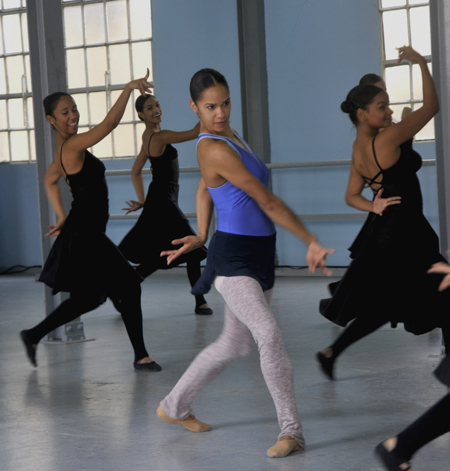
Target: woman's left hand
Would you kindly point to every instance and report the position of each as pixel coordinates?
(189, 243)
(133, 206)
(381, 204)
(141, 84)
(442, 268)
(315, 257)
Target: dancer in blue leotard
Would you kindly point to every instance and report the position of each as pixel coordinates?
(240, 263)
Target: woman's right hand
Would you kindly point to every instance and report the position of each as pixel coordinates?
(408, 53)
(381, 204)
(133, 206)
(141, 84)
(56, 229)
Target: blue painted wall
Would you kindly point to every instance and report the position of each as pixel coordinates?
(316, 51)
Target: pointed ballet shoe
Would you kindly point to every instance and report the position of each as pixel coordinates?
(203, 311)
(326, 365)
(283, 448)
(152, 366)
(390, 461)
(192, 424)
(30, 349)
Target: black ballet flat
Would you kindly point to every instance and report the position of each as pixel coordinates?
(30, 349)
(326, 365)
(203, 311)
(152, 366)
(390, 461)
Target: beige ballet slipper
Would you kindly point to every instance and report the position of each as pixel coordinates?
(283, 448)
(192, 424)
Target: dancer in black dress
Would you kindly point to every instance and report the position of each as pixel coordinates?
(83, 261)
(371, 293)
(161, 220)
(396, 452)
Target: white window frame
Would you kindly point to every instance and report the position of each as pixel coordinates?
(393, 62)
(108, 87)
(25, 95)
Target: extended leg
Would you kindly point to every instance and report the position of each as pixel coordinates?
(432, 424)
(357, 330)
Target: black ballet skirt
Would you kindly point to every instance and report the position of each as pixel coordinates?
(83, 260)
(391, 256)
(238, 255)
(161, 220)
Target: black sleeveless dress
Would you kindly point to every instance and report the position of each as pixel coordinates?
(83, 260)
(161, 220)
(391, 256)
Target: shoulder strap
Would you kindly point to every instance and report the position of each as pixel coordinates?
(232, 144)
(62, 165)
(375, 155)
(148, 147)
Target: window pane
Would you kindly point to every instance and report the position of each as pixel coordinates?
(94, 20)
(395, 32)
(2, 77)
(1, 40)
(119, 57)
(398, 83)
(417, 2)
(12, 35)
(116, 13)
(3, 119)
(9, 4)
(96, 57)
(142, 58)
(97, 103)
(30, 111)
(14, 67)
(76, 70)
(392, 3)
(140, 19)
(4, 147)
(123, 140)
(32, 145)
(104, 147)
(420, 30)
(128, 115)
(81, 101)
(19, 146)
(426, 132)
(15, 110)
(73, 22)
(24, 32)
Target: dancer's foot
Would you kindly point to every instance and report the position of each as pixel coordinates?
(385, 451)
(326, 360)
(285, 446)
(203, 310)
(30, 348)
(146, 364)
(191, 423)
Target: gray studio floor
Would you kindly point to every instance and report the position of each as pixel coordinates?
(85, 408)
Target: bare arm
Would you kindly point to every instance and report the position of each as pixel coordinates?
(138, 182)
(205, 208)
(162, 138)
(415, 121)
(53, 194)
(82, 141)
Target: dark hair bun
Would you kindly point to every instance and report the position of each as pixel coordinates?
(346, 106)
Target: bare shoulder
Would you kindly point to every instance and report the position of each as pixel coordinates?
(214, 149)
